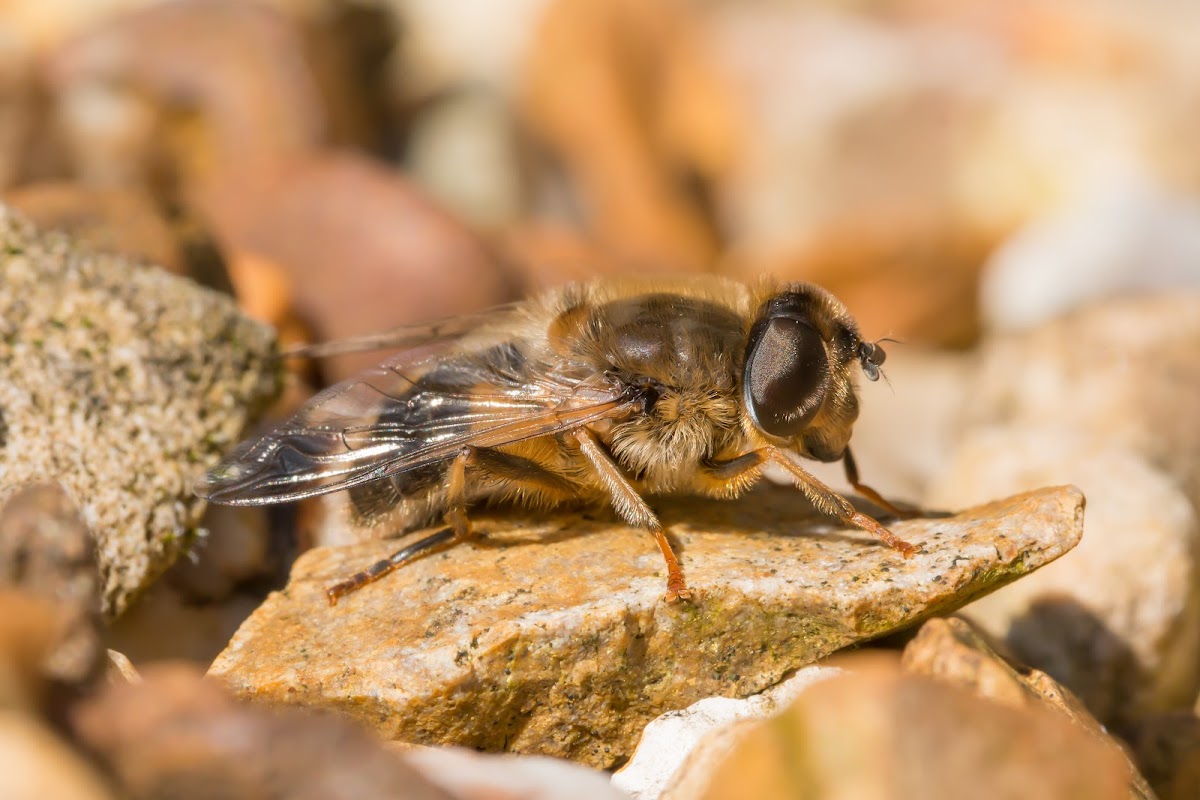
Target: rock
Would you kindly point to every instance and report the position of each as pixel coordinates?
(449, 45)
(235, 548)
(477, 776)
(35, 764)
(1168, 748)
(1104, 400)
(400, 258)
(107, 220)
(167, 624)
(28, 629)
(861, 188)
(463, 150)
(177, 735)
(626, 99)
(702, 734)
(200, 86)
(47, 552)
(122, 383)
(549, 635)
(876, 732)
(121, 669)
(949, 650)
(1118, 620)
(1134, 240)
(1123, 370)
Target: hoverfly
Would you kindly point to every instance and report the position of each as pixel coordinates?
(598, 392)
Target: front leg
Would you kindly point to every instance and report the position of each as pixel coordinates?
(866, 491)
(731, 476)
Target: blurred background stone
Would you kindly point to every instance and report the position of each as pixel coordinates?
(701, 735)
(177, 735)
(1104, 398)
(114, 220)
(36, 764)
(875, 732)
(951, 651)
(46, 551)
(482, 776)
(1168, 748)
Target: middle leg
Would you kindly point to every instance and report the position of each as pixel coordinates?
(630, 506)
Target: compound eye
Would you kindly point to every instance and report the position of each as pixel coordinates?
(786, 375)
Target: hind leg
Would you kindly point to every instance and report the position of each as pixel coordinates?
(483, 462)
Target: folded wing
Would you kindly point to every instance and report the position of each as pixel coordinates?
(401, 416)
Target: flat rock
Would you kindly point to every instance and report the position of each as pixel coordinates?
(551, 636)
(123, 383)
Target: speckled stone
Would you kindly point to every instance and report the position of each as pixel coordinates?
(123, 383)
(550, 635)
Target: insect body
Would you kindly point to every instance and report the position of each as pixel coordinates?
(601, 391)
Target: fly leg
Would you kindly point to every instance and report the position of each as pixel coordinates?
(869, 493)
(833, 503)
(385, 565)
(630, 506)
(484, 462)
(729, 478)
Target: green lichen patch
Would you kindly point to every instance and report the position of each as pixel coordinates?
(122, 383)
(564, 645)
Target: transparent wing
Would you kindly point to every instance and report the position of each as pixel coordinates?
(399, 417)
(406, 336)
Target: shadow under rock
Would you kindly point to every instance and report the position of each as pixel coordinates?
(1070, 643)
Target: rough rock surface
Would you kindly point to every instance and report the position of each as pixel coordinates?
(550, 635)
(123, 383)
(877, 732)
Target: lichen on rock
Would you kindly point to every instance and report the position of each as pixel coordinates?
(122, 383)
(550, 635)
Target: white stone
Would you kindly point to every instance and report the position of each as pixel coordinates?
(670, 739)
(1132, 239)
(476, 776)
